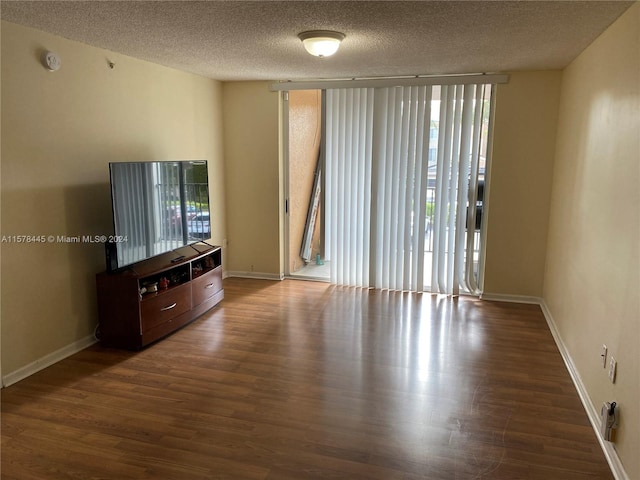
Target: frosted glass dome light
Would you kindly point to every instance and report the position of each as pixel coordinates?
(321, 43)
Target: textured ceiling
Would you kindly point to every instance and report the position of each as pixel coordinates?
(238, 40)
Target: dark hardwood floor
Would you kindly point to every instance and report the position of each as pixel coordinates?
(302, 380)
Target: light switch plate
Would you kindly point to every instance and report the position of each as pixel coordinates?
(613, 366)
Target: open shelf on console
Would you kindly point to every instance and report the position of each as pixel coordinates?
(158, 283)
(206, 263)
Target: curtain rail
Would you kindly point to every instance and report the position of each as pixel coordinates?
(482, 78)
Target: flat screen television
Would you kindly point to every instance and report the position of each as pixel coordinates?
(157, 207)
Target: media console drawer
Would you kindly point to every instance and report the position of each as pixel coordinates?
(165, 306)
(206, 286)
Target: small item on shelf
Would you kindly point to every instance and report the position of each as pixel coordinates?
(151, 286)
(197, 270)
(164, 283)
(208, 262)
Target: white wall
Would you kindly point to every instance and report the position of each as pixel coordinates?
(592, 279)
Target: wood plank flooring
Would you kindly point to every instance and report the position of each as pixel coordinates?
(302, 380)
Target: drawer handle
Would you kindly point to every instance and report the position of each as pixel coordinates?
(208, 285)
(169, 307)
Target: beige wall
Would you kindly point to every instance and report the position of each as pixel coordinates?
(521, 172)
(59, 131)
(592, 280)
(526, 112)
(253, 178)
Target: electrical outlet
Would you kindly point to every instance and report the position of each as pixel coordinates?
(603, 356)
(613, 365)
(609, 421)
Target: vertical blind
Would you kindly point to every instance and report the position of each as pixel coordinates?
(402, 167)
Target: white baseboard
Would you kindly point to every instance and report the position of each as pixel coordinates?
(594, 416)
(257, 275)
(47, 360)
(592, 413)
(499, 297)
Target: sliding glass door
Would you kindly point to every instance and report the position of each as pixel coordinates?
(304, 186)
(404, 186)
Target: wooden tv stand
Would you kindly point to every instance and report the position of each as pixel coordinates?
(132, 318)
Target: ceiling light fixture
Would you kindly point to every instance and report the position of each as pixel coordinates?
(321, 43)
